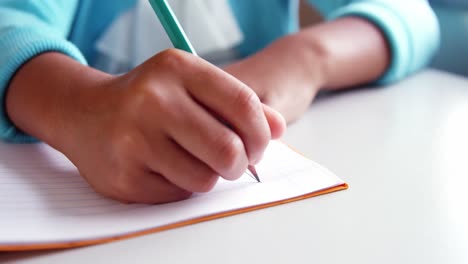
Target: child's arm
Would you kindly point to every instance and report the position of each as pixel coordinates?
(165, 129)
(368, 42)
(339, 54)
(29, 28)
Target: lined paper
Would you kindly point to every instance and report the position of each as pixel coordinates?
(44, 200)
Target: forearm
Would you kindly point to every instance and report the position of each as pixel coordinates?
(351, 51)
(44, 92)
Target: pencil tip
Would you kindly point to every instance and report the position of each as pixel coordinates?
(254, 173)
(257, 178)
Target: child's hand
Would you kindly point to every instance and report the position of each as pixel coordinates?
(167, 129)
(156, 134)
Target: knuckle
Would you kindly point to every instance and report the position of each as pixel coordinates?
(141, 88)
(157, 99)
(172, 58)
(147, 99)
(230, 149)
(248, 103)
(134, 102)
(123, 145)
(250, 107)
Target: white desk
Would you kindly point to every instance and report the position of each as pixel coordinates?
(402, 149)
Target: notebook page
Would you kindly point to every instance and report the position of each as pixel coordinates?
(43, 199)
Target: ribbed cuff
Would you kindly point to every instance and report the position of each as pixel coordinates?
(413, 38)
(17, 47)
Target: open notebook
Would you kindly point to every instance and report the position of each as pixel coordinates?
(44, 203)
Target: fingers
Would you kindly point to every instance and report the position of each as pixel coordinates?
(276, 121)
(146, 187)
(127, 177)
(235, 103)
(181, 168)
(155, 170)
(204, 137)
(226, 98)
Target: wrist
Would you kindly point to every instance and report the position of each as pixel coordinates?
(76, 107)
(313, 59)
(44, 93)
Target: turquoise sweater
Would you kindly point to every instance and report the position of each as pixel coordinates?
(30, 27)
(453, 53)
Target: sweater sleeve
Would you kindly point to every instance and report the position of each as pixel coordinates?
(27, 29)
(410, 27)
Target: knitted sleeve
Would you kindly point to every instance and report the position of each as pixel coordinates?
(410, 27)
(27, 29)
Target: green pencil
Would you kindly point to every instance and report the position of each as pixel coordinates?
(172, 26)
(178, 38)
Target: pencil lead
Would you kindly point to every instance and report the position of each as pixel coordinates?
(254, 173)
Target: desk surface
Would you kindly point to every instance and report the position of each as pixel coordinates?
(402, 149)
